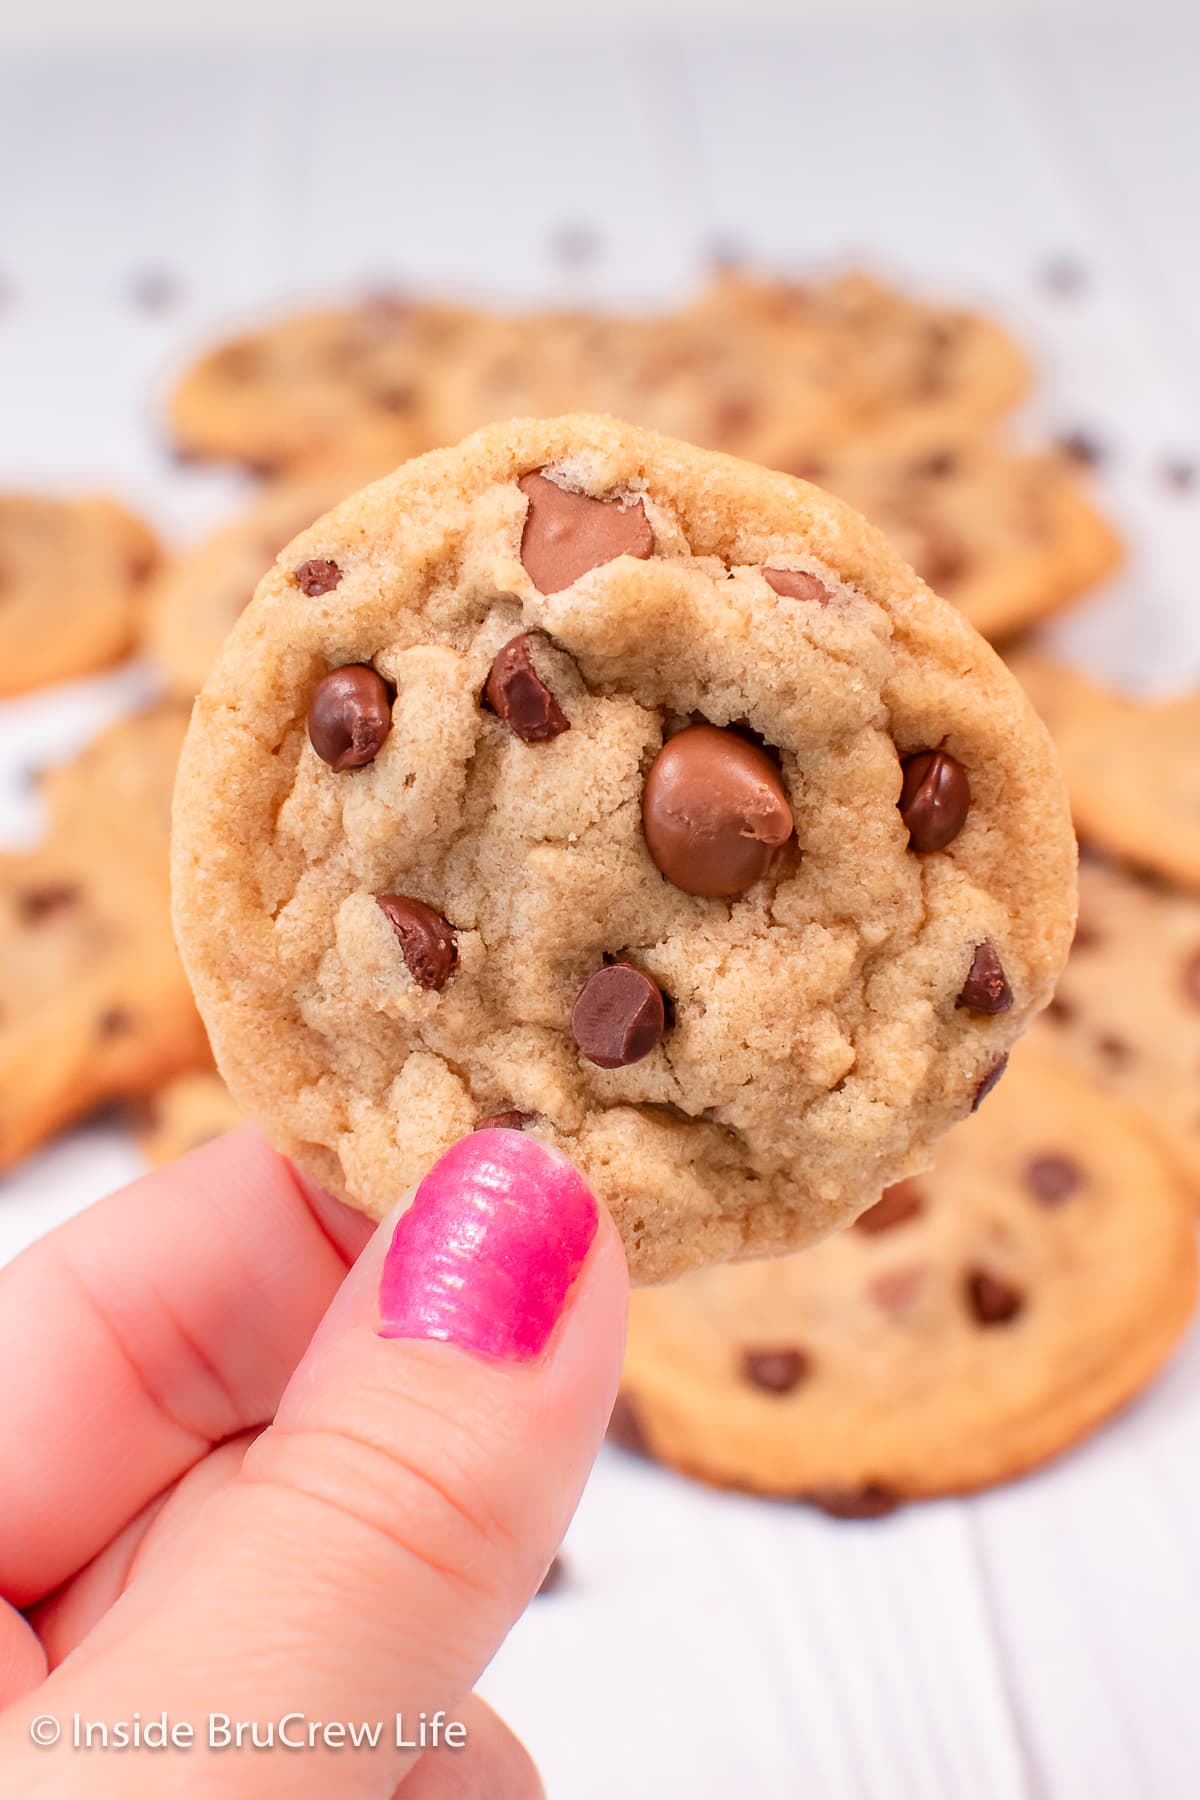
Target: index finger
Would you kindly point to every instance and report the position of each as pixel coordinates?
(165, 1318)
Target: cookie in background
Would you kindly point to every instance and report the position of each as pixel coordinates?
(978, 1321)
(190, 1110)
(94, 1004)
(73, 576)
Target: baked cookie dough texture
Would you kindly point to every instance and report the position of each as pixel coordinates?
(584, 782)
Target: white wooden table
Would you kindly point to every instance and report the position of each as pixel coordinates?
(1039, 1641)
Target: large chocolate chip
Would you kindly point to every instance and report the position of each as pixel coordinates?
(991, 1300)
(774, 1371)
(1052, 1179)
(987, 1082)
(934, 799)
(517, 694)
(714, 811)
(798, 584)
(504, 1121)
(566, 534)
(317, 576)
(986, 988)
(618, 1017)
(871, 1501)
(896, 1206)
(349, 716)
(426, 940)
(625, 1427)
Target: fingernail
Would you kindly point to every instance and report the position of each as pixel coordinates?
(486, 1254)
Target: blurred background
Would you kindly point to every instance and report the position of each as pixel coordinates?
(686, 187)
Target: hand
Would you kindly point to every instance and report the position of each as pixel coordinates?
(204, 1512)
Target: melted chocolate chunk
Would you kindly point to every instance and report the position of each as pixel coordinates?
(618, 1017)
(427, 942)
(520, 698)
(986, 988)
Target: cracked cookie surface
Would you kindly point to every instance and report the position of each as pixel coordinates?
(419, 879)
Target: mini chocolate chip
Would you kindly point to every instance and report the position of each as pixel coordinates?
(934, 799)
(504, 1121)
(1052, 1179)
(114, 1022)
(567, 533)
(426, 940)
(896, 1206)
(873, 1500)
(1113, 1049)
(398, 399)
(1082, 448)
(797, 584)
(618, 1017)
(38, 903)
(349, 716)
(317, 576)
(987, 1083)
(774, 1371)
(1060, 1011)
(1191, 978)
(625, 1427)
(936, 466)
(519, 697)
(986, 988)
(896, 1290)
(991, 1300)
(714, 811)
(554, 1577)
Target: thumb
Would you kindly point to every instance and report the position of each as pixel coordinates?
(423, 1465)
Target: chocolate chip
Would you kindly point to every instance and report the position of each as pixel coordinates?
(1082, 448)
(566, 533)
(798, 584)
(871, 1501)
(1113, 1049)
(349, 716)
(986, 988)
(554, 1577)
(116, 1021)
(1052, 1179)
(991, 1300)
(517, 695)
(317, 576)
(774, 1371)
(1059, 1011)
(896, 1206)
(896, 1291)
(625, 1427)
(618, 1016)
(504, 1121)
(399, 399)
(1191, 978)
(935, 797)
(1178, 474)
(37, 903)
(936, 466)
(426, 940)
(714, 811)
(988, 1082)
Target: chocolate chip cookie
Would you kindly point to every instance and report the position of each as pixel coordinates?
(974, 1323)
(196, 599)
(578, 774)
(1010, 539)
(1132, 767)
(72, 578)
(94, 1005)
(1128, 1004)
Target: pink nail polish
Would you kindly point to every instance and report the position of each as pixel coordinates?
(487, 1252)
